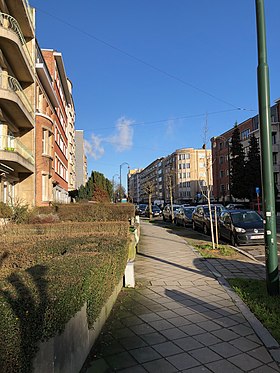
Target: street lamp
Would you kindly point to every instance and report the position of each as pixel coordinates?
(121, 175)
(227, 141)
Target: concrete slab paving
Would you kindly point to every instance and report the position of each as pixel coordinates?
(180, 317)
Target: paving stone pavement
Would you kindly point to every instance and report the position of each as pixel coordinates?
(179, 318)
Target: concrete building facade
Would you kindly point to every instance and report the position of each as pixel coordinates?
(81, 159)
(17, 82)
(185, 174)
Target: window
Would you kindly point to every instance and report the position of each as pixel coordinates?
(45, 187)
(187, 155)
(221, 145)
(221, 159)
(245, 134)
(188, 184)
(188, 175)
(274, 134)
(201, 165)
(274, 157)
(188, 165)
(222, 174)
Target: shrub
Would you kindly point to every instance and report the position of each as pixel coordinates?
(49, 271)
(5, 210)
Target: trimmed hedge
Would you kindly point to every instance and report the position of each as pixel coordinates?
(48, 271)
(91, 211)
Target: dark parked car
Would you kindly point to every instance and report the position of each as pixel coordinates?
(201, 217)
(183, 216)
(241, 227)
(156, 211)
(167, 213)
(140, 209)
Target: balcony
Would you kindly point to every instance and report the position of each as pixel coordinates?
(14, 47)
(14, 102)
(22, 10)
(15, 154)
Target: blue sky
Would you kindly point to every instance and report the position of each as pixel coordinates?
(145, 73)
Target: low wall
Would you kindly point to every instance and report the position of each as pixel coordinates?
(67, 352)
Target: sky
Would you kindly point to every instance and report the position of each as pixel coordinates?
(153, 76)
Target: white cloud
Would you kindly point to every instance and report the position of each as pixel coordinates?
(123, 138)
(93, 147)
(169, 127)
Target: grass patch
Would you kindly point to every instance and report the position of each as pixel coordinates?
(207, 251)
(264, 307)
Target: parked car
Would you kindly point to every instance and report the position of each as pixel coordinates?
(201, 217)
(140, 209)
(167, 212)
(235, 206)
(156, 211)
(241, 227)
(183, 216)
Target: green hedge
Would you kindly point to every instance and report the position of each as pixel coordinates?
(48, 271)
(36, 303)
(91, 211)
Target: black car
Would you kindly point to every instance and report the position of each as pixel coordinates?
(183, 216)
(201, 217)
(241, 227)
(235, 206)
(140, 209)
(156, 211)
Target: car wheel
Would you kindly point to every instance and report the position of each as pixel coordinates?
(205, 229)
(233, 240)
(193, 226)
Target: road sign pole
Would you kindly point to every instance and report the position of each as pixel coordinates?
(272, 273)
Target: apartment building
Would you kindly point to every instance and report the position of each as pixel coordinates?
(151, 178)
(134, 185)
(187, 172)
(221, 152)
(184, 174)
(55, 64)
(17, 120)
(81, 159)
(71, 142)
(46, 104)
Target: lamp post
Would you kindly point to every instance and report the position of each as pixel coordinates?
(227, 141)
(272, 273)
(121, 175)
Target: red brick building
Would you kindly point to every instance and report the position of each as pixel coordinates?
(57, 72)
(220, 152)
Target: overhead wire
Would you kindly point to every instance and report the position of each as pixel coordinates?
(160, 121)
(140, 60)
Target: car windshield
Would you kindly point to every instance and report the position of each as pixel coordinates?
(189, 210)
(218, 209)
(245, 217)
(155, 208)
(175, 208)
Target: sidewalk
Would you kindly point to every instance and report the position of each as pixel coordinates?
(180, 318)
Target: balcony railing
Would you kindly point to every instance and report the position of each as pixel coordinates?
(9, 22)
(10, 83)
(13, 144)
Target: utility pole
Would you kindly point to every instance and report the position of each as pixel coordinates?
(272, 273)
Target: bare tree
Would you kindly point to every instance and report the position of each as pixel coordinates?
(149, 188)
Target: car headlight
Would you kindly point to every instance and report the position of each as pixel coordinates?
(240, 230)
